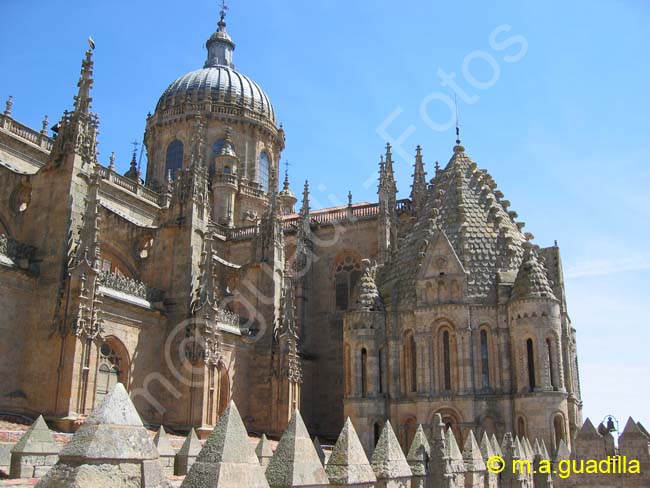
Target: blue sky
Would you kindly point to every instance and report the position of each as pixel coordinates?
(557, 114)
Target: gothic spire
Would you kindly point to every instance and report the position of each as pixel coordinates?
(220, 45)
(419, 187)
(387, 174)
(304, 209)
(207, 294)
(82, 101)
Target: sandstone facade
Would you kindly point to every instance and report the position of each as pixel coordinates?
(196, 282)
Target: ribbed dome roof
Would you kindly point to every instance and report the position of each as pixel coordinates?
(218, 81)
(219, 84)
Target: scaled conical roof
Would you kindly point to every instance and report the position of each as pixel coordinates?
(463, 202)
(295, 462)
(532, 279)
(348, 463)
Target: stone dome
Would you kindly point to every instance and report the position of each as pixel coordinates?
(219, 83)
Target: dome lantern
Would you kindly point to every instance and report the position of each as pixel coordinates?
(220, 46)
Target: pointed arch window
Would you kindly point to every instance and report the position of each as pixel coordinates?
(410, 357)
(113, 368)
(174, 158)
(446, 358)
(263, 170)
(485, 362)
(364, 372)
(551, 369)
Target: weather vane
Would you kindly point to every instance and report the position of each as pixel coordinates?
(224, 9)
(286, 167)
(135, 144)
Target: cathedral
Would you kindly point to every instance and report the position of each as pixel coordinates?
(204, 278)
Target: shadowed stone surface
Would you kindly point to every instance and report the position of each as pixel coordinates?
(119, 454)
(348, 464)
(319, 450)
(227, 460)
(264, 451)
(295, 462)
(419, 453)
(35, 453)
(187, 453)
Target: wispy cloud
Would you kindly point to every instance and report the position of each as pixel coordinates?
(601, 267)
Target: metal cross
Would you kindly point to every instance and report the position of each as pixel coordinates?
(135, 144)
(286, 167)
(224, 9)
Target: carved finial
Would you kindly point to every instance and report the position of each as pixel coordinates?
(111, 161)
(44, 125)
(437, 166)
(8, 105)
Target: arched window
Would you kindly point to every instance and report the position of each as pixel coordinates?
(113, 369)
(381, 359)
(558, 429)
(485, 363)
(174, 158)
(346, 371)
(347, 273)
(364, 372)
(531, 363)
(410, 360)
(521, 427)
(446, 358)
(551, 370)
(263, 170)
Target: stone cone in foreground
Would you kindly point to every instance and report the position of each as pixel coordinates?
(188, 453)
(295, 462)
(111, 449)
(165, 450)
(264, 451)
(419, 453)
(35, 453)
(227, 459)
(388, 461)
(348, 464)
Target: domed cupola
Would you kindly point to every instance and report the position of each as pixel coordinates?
(242, 145)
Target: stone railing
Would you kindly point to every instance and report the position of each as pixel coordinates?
(228, 318)
(130, 286)
(37, 138)
(130, 185)
(240, 233)
(15, 250)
